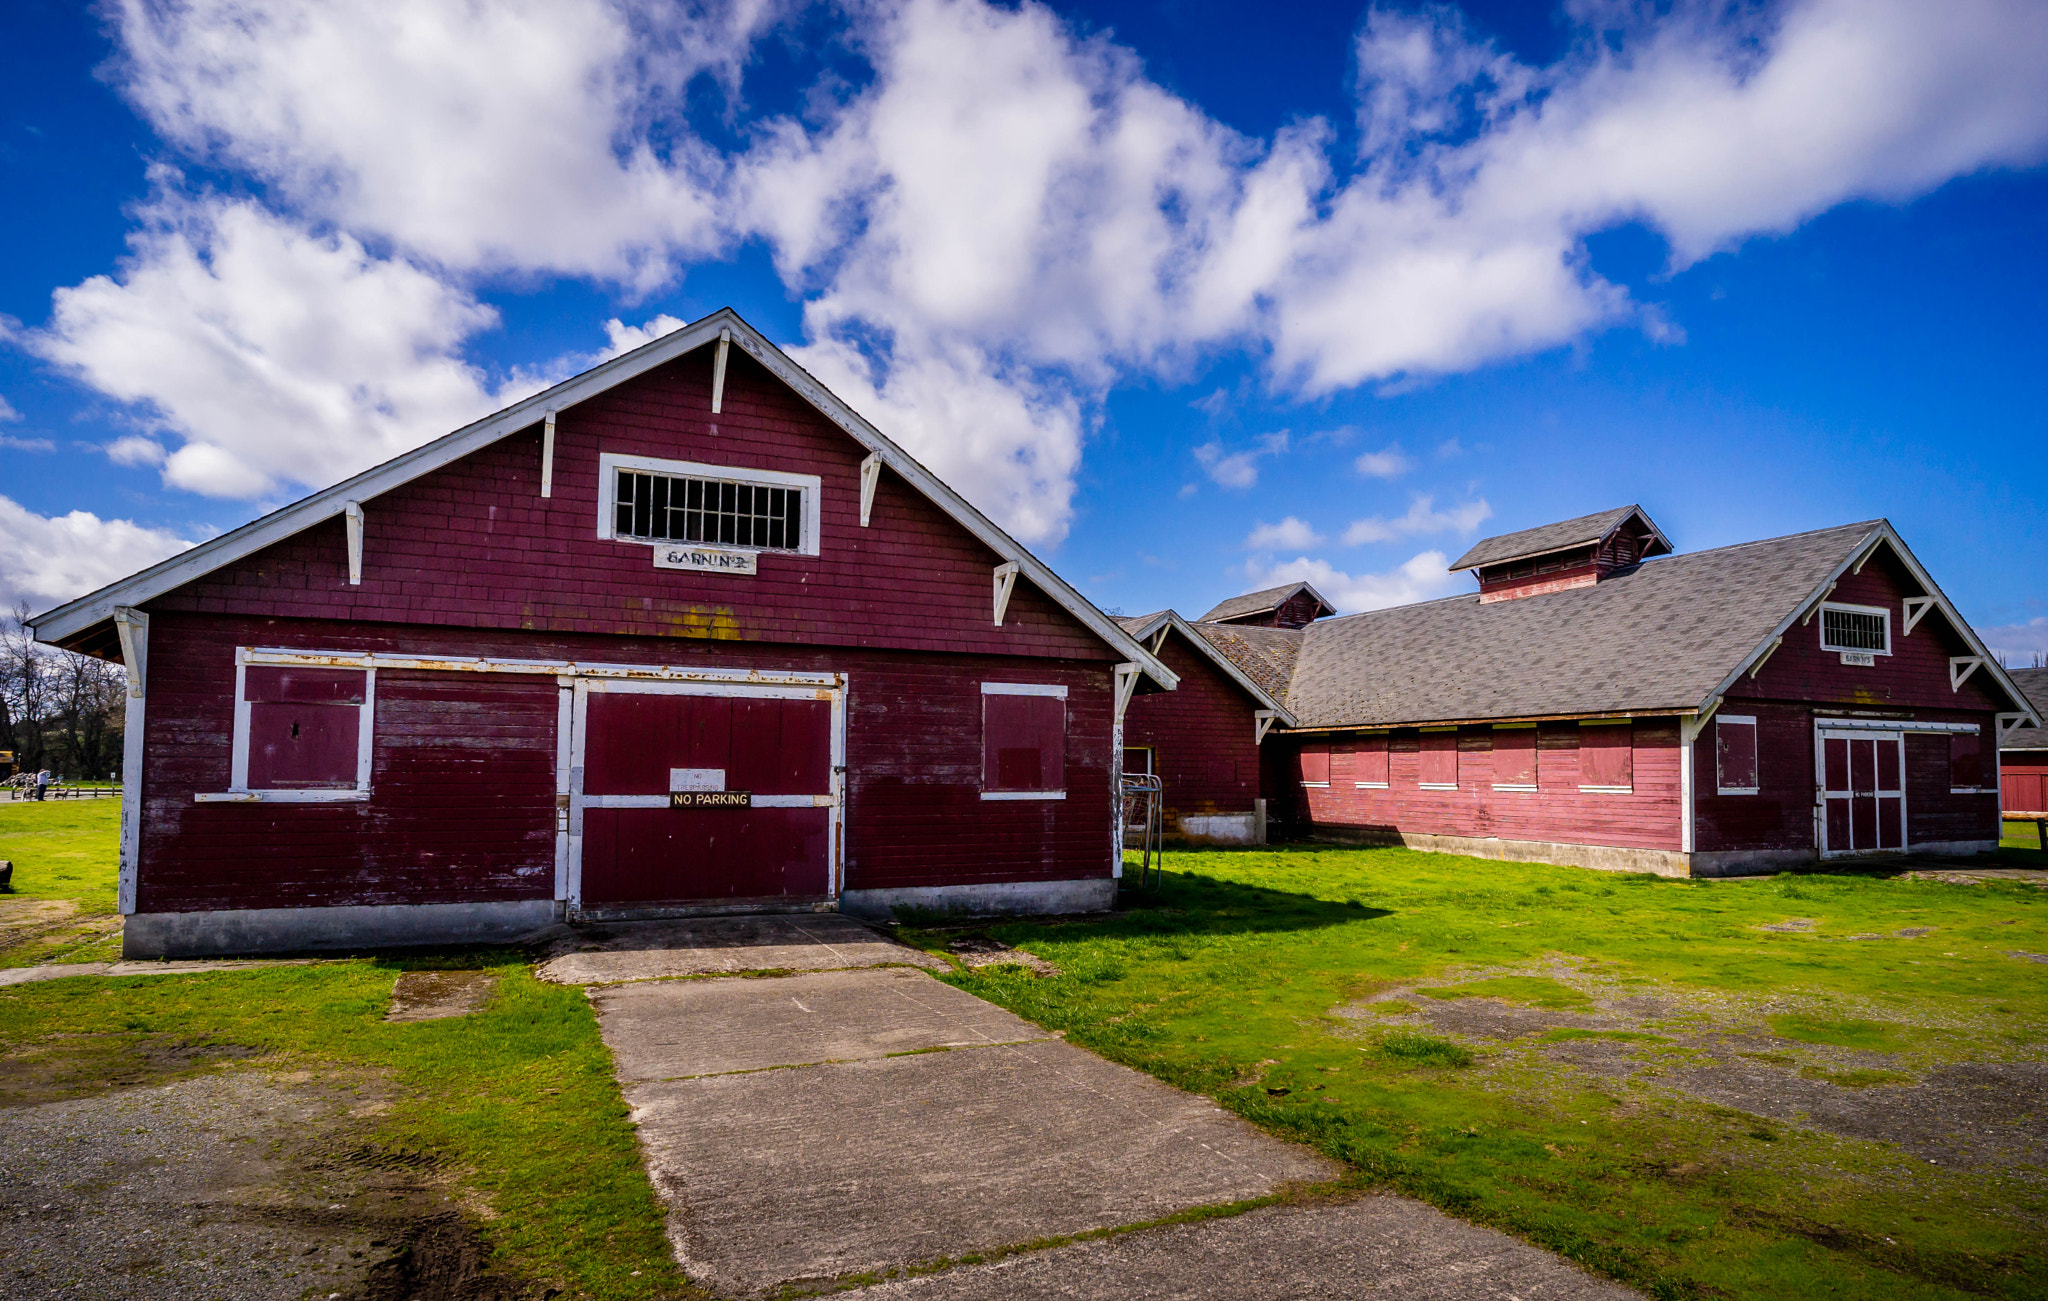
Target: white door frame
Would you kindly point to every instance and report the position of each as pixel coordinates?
(1822, 734)
(753, 684)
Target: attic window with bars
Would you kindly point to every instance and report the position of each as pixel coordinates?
(659, 502)
(1856, 628)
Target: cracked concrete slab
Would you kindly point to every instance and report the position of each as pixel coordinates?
(713, 946)
(1373, 1247)
(823, 1171)
(668, 1029)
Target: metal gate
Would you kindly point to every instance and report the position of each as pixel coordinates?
(705, 794)
(1862, 792)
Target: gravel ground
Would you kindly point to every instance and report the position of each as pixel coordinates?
(233, 1184)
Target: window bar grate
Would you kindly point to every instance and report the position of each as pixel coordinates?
(724, 512)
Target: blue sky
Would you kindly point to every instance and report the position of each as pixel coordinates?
(1191, 304)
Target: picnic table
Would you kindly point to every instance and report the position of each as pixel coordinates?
(2040, 821)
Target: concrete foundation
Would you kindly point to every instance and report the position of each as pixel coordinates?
(996, 898)
(1613, 858)
(297, 930)
(1217, 829)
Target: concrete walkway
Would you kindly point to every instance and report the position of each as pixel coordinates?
(60, 970)
(861, 1118)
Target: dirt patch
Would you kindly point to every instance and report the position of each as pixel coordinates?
(1790, 925)
(434, 995)
(237, 1184)
(20, 915)
(976, 951)
(71, 1066)
(2024, 956)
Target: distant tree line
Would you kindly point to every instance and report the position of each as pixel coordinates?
(58, 710)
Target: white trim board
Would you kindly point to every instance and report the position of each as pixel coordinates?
(610, 463)
(166, 576)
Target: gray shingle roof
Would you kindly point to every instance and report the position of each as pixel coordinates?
(1583, 531)
(1266, 655)
(1237, 607)
(1658, 638)
(2034, 682)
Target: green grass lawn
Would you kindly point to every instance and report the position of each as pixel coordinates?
(1306, 990)
(2024, 836)
(517, 1099)
(63, 851)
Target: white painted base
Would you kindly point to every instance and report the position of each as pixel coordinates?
(1219, 828)
(998, 898)
(1612, 858)
(297, 930)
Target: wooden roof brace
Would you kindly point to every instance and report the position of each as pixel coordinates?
(1811, 609)
(1916, 609)
(547, 456)
(2010, 723)
(1960, 667)
(353, 512)
(1126, 683)
(870, 475)
(1262, 724)
(133, 626)
(1764, 659)
(1006, 582)
(1159, 638)
(718, 371)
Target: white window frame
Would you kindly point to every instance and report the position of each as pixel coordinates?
(610, 463)
(1882, 611)
(1019, 689)
(1741, 720)
(238, 791)
(1521, 786)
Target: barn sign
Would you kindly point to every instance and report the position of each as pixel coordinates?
(705, 559)
(711, 799)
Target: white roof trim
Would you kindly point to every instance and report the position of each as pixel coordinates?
(169, 575)
(1217, 657)
(1882, 535)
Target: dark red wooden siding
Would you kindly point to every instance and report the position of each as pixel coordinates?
(1647, 817)
(464, 771)
(1203, 734)
(474, 544)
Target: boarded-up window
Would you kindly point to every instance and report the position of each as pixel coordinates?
(1315, 763)
(306, 727)
(1735, 756)
(1024, 740)
(1607, 757)
(1965, 760)
(1514, 758)
(1370, 763)
(1438, 766)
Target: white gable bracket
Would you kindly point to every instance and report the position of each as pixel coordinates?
(1762, 660)
(1262, 723)
(718, 371)
(1159, 638)
(1816, 605)
(1006, 582)
(1960, 667)
(547, 456)
(1689, 729)
(870, 475)
(353, 512)
(2010, 723)
(133, 625)
(1126, 683)
(1916, 610)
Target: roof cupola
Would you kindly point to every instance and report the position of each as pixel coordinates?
(1557, 557)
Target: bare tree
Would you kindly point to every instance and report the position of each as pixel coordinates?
(57, 709)
(25, 682)
(93, 695)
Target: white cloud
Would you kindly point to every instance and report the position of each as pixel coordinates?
(1238, 469)
(624, 338)
(27, 444)
(1422, 518)
(2018, 644)
(1387, 463)
(7, 412)
(1421, 578)
(49, 561)
(134, 449)
(1288, 534)
(1007, 220)
(277, 357)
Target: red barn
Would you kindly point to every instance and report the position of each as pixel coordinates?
(2023, 753)
(681, 634)
(1205, 750)
(1601, 701)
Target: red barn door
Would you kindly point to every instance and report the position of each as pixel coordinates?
(1863, 797)
(696, 795)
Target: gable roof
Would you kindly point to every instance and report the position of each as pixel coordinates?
(1668, 637)
(1586, 530)
(1269, 692)
(77, 616)
(2034, 682)
(1265, 602)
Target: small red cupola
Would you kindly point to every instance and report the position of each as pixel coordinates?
(1556, 557)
